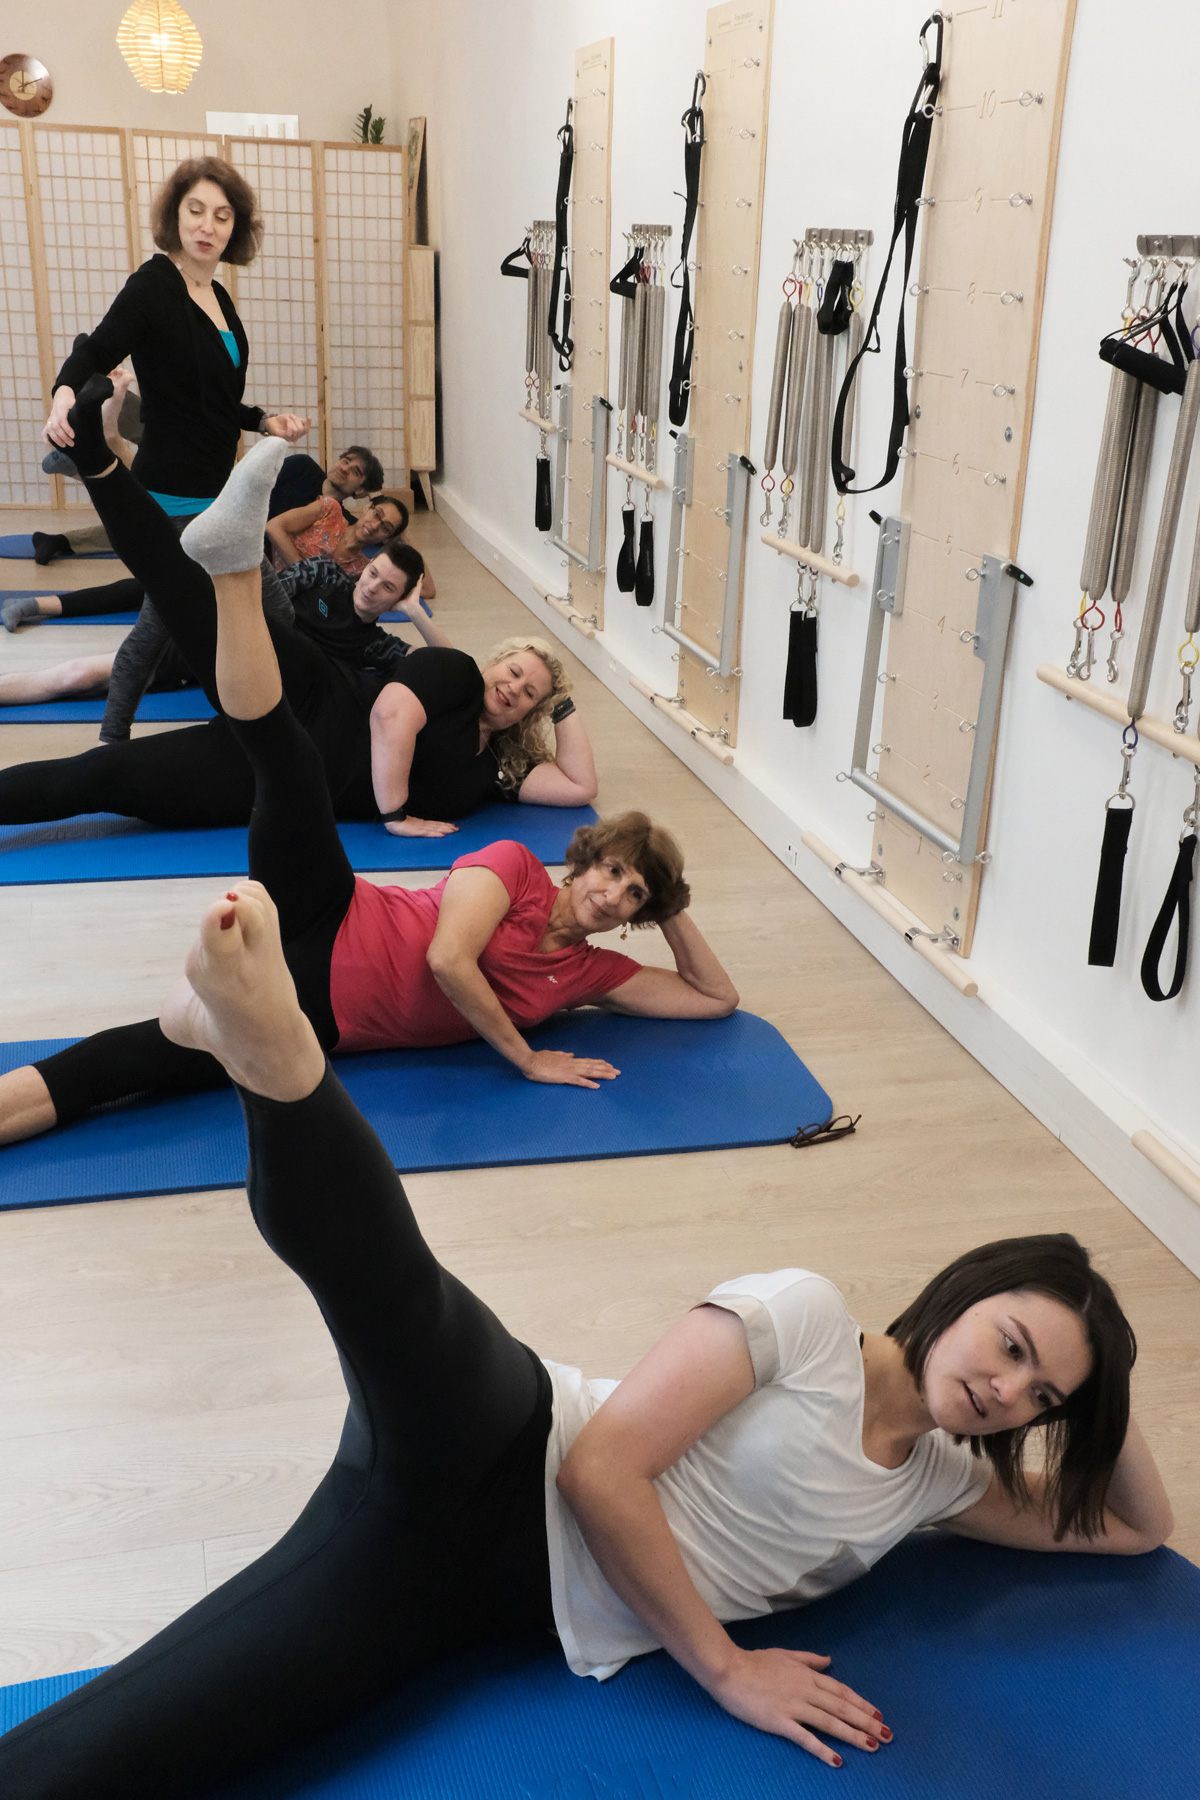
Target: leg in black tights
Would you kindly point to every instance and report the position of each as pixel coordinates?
(296, 853)
(125, 595)
(427, 1533)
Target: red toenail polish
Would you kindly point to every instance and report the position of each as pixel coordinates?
(226, 922)
(872, 1743)
(885, 1734)
(837, 1762)
(876, 1714)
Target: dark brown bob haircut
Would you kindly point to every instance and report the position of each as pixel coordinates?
(410, 562)
(1085, 1434)
(633, 839)
(245, 240)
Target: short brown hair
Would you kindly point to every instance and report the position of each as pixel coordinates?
(245, 240)
(635, 840)
(405, 560)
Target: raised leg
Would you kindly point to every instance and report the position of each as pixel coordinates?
(429, 1530)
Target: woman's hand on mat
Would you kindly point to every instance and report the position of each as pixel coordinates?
(411, 827)
(56, 429)
(288, 426)
(558, 1068)
(787, 1693)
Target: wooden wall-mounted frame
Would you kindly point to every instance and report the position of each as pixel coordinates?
(984, 249)
(737, 72)
(590, 245)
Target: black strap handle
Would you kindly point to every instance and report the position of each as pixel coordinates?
(1176, 906)
(560, 284)
(914, 152)
(508, 266)
(624, 282)
(693, 146)
(833, 314)
(1106, 909)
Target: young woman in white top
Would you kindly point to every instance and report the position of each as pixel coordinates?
(763, 1453)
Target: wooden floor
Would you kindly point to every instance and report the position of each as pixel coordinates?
(168, 1397)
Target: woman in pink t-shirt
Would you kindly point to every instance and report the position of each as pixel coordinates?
(490, 952)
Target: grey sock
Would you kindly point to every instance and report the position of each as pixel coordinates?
(16, 613)
(228, 536)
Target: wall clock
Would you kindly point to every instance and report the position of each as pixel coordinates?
(25, 85)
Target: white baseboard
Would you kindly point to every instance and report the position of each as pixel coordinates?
(1071, 1098)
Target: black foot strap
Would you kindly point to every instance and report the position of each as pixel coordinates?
(800, 680)
(627, 558)
(643, 588)
(543, 511)
(1106, 912)
(1177, 905)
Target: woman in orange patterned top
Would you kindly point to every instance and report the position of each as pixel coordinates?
(320, 529)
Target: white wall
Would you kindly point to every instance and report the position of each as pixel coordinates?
(288, 56)
(493, 81)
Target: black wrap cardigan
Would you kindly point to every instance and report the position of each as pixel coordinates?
(192, 410)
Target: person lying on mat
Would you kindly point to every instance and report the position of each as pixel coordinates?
(416, 740)
(763, 1453)
(356, 471)
(321, 530)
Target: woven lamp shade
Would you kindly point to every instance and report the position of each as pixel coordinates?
(160, 44)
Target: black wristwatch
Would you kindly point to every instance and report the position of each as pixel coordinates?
(563, 710)
(394, 818)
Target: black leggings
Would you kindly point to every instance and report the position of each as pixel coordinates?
(296, 853)
(125, 595)
(198, 776)
(427, 1533)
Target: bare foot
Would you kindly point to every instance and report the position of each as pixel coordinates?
(238, 1000)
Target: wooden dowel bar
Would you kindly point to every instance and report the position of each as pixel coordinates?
(700, 734)
(636, 472)
(1179, 743)
(537, 419)
(880, 901)
(566, 611)
(1185, 1178)
(810, 559)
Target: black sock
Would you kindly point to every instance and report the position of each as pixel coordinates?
(90, 454)
(49, 544)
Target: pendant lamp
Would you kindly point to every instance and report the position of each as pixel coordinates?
(160, 44)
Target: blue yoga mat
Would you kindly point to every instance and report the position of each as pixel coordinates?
(711, 1084)
(1001, 1673)
(105, 847)
(130, 618)
(181, 704)
(21, 546)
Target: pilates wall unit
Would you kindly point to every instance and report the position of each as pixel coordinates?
(942, 571)
(323, 304)
(702, 597)
(584, 514)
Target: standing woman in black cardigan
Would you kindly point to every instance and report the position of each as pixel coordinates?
(189, 354)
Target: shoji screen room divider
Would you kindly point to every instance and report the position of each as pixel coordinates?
(323, 305)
